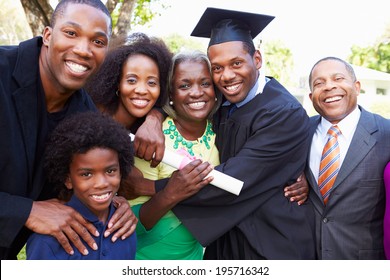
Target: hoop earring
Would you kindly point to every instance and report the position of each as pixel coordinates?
(117, 92)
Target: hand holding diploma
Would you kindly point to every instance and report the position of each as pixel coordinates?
(220, 180)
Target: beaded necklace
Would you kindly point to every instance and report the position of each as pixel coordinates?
(175, 135)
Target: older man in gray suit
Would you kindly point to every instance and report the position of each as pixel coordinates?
(347, 179)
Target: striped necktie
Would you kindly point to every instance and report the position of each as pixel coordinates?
(330, 163)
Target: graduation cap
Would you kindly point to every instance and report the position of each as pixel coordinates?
(227, 25)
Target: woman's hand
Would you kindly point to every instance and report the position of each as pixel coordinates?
(123, 222)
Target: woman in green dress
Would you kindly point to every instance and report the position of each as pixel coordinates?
(188, 131)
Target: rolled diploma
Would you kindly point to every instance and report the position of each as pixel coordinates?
(221, 180)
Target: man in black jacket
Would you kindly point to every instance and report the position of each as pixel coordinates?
(41, 83)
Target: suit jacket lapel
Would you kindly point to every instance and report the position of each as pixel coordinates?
(362, 142)
(314, 122)
(25, 97)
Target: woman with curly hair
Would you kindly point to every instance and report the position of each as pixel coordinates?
(86, 158)
(132, 79)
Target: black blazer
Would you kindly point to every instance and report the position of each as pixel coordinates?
(21, 180)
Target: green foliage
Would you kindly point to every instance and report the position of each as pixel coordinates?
(375, 56)
(176, 43)
(143, 12)
(136, 13)
(384, 57)
(279, 61)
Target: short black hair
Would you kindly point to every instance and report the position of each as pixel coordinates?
(104, 84)
(78, 134)
(346, 64)
(61, 6)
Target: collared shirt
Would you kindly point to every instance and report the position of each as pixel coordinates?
(46, 247)
(347, 127)
(256, 89)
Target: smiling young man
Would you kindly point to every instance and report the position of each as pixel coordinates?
(40, 84)
(350, 203)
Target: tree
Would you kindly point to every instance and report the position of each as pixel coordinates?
(12, 31)
(279, 61)
(38, 14)
(123, 12)
(376, 56)
(176, 43)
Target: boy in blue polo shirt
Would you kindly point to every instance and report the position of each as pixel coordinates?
(87, 156)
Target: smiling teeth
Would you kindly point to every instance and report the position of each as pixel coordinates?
(101, 197)
(196, 105)
(76, 67)
(140, 102)
(331, 99)
(232, 88)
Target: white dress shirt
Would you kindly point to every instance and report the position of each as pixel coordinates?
(256, 89)
(347, 127)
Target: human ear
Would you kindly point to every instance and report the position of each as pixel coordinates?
(258, 59)
(357, 87)
(68, 183)
(47, 35)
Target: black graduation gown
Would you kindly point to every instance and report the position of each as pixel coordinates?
(264, 143)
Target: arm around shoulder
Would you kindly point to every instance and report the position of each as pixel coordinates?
(149, 142)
